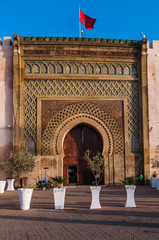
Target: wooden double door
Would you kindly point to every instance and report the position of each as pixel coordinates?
(76, 142)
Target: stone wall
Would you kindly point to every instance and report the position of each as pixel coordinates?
(6, 96)
(153, 92)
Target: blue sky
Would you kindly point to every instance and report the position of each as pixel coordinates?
(115, 19)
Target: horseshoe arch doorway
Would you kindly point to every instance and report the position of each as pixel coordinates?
(76, 142)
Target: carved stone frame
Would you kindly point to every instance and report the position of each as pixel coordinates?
(78, 119)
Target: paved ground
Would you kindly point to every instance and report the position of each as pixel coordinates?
(77, 221)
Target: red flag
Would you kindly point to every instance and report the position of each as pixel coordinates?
(87, 21)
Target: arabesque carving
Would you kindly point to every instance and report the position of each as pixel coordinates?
(34, 88)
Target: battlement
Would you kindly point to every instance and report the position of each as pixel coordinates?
(7, 41)
(74, 40)
(154, 45)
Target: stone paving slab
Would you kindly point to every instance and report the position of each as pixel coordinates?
(113, 221)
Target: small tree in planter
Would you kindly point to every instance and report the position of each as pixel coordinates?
(96, 165)
(5, 166)
(18, 163)
(59, 192)
(130, 190)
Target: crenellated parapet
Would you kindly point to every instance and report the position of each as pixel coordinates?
(7, 41)
(73, 40)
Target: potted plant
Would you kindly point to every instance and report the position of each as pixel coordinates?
(18, 164)
(154, 180)
(43, 184)
(96, 165)
(130, 190)
(2, 183)
(59, 192)
(5, 166)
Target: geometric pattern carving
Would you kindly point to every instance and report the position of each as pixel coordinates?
(86, 110)
(34, 88)
(89, 68)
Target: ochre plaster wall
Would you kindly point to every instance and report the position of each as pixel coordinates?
(6, 97)
(153, 92)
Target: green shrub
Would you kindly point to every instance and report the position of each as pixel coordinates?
(58, 180)
(130, 181)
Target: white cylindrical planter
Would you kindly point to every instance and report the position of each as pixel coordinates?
(10, 184)
(25, 195)
(59, 197)
(157, 183)
(130, 191)
(95, 204)
(2, 186)
(153, 182)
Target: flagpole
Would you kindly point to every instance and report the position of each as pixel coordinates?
(79, 24)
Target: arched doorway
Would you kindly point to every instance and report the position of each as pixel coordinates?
(76, 142)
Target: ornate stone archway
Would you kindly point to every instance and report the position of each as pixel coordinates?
(75, 114)
(87, 119)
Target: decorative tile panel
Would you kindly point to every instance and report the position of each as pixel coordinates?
(97, 69)
(59, 69)
(90, 69)
(51, 68)
(36, 69)
(75, 69)
(85, 68)
(112, 70)
(43, 68)
(127, 70)
(28, 68)
(82, 69)
(105, 69)
(119, 70)
(67, 69)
